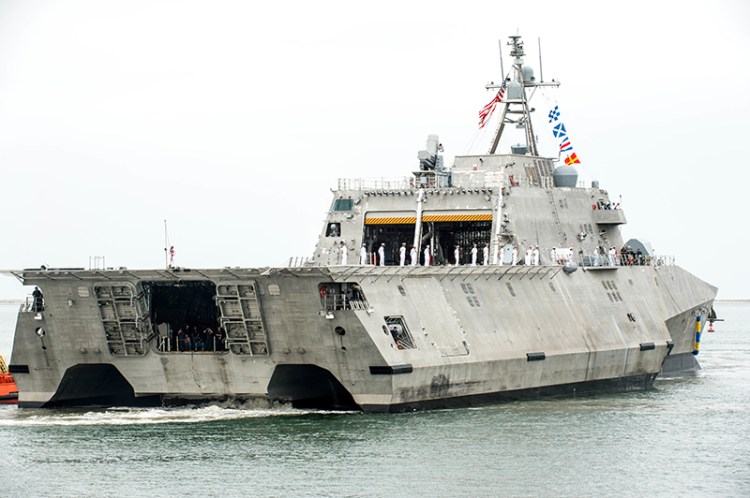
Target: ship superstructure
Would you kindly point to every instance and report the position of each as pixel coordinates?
(493, 278)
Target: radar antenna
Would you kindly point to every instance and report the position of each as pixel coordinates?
(516, 101)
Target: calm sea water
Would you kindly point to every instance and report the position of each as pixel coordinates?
(690, 436)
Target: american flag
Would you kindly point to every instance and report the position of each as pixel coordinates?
(486, 112)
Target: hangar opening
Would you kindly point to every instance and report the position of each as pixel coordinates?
(184, 315)
(443, 237)
(203, 316)
(441, 231)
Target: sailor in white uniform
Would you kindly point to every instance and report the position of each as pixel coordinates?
(413, 256)
(535, 256)
(486, 255)
(474, 251)
(381, 254)
(527, 258)
(515, 255)
(363, 255)
(553, 256)
(343, 250)
(427, 255)
(611, 256)
(402, 254)
(457, 256)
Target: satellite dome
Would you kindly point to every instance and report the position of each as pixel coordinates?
(528, 74)
(515, 92)
(565, 176)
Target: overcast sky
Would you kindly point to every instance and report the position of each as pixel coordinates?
(232, 120)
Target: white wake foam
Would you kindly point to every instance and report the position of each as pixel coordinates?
(12, 416)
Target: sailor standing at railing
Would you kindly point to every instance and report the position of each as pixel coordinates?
(381, 254)
(363, 255)
(427, 255)
(402, 254)
(486, 255)
(527, 258)
(474, 251)
(595, 257)
(413, 256)
(611, 256)
(535, 256)
(38, 299)
(457, 255)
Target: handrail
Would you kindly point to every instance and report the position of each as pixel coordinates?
(29, 305)
(397, 183)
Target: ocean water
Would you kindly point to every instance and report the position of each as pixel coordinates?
(690, 436)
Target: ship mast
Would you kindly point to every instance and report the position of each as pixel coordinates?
(516, 101)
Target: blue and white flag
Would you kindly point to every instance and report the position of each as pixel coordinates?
(554, 114)
(559, 131)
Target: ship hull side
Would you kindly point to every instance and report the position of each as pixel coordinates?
(481, 334)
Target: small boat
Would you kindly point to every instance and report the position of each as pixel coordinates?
(8, 388)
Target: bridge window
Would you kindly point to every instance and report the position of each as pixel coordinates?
(343, 205)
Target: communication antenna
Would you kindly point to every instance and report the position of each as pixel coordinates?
(541, 74)
(502, 69)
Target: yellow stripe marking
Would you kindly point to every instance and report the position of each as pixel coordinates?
(406, 220)
(391, 221)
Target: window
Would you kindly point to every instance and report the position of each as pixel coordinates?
(333, 230)
(343, 205)
(401, 335)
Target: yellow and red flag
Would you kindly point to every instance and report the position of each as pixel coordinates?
(572, 159)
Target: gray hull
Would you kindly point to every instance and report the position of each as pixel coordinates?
(479, 334)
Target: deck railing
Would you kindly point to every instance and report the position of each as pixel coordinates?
(625, 260)
(397, 183)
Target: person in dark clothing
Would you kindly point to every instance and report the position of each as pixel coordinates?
(179, 340)
(38, 304)
(221, 338)
(208, 339)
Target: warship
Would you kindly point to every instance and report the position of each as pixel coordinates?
(499, 277)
